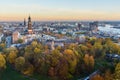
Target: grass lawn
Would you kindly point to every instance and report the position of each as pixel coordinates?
(10, 74)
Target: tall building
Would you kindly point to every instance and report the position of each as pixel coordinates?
(30, 31)
(93, 26)
(79, 26)
(24, 22)
(15, 36)
(8, 41)
(53, 45)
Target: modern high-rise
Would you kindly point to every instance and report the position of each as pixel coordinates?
(93, 26)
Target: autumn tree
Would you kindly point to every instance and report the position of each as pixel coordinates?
(92, 62)
(89, 62)
(28, 69)
(84, 49)
(20, 41)
(34, 44)
(68, 51)
(54, 59)
(97, 77)
(2, 46)
(37, 50)
(11, 57)
(2, 64)
(71, 59)
(117, 71)
(19, 63)
(108, 75)
(63, 69)
(51, 72)
(98, 49)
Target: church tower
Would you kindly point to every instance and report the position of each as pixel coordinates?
(30, 31)
(24, 22)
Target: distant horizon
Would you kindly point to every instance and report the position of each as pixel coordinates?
(65, 21)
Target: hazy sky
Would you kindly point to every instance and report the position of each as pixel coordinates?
(45, 10)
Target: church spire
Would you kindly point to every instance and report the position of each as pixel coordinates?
(24, 22)
(29, 18)
(29, 25)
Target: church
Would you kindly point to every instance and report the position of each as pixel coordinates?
(30, 30)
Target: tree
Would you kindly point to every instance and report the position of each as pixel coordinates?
(98, 49)
(28, 69)
(37, 50)
(63, 71)
(84, 49)
(20, 41)
(97, 77)
(86, 59)
(108, 75)
(2, 62)
(34, 44)
(117, 71)
(71, 58)
(2, 46)
(11, 57)
(19, 63)
(89, 62)
(91, 59)
(111, 47)
(68, 51)
(54, 59)
(51, 72)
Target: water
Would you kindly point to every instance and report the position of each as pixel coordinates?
(109, 29)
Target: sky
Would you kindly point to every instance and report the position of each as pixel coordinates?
(47, 10)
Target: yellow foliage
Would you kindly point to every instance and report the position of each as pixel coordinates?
(97, 77)
(12, 56)
(68, 51)
(117, 71)
(89, 60)
(86, 59)
(34, 43)
(2, 45)
(2, 61)
(19, 63)
(36, 50)
(29, 70)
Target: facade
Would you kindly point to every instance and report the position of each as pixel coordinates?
(54, 43)
(1, 35)
(93, 26)
(30, 31)
(15, 36)
(79, 26)
(8, 41)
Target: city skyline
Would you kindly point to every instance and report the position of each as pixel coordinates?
(63, 10)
